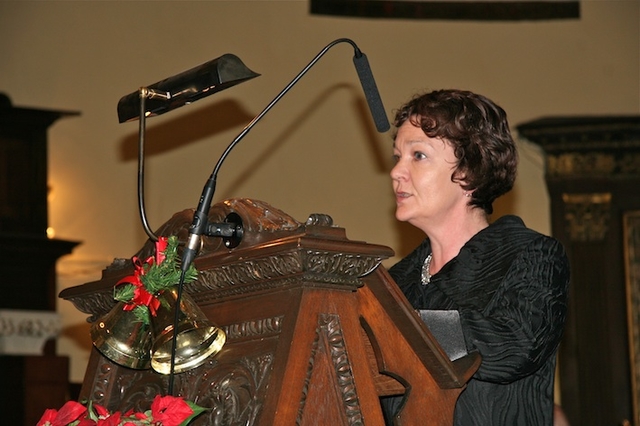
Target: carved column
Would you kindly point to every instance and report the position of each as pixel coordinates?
(31, 383)
(592, 171)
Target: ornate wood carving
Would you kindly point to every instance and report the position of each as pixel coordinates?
(331, 336)
(600, 164)
(329, 343)
(258, 328)
(233, 388)
(587, 215)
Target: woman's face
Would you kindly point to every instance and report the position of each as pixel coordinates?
(425, 193)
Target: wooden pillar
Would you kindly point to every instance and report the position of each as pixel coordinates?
(593, 178)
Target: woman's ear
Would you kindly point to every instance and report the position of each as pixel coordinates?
(460, 178)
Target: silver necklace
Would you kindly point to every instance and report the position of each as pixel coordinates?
(426, 274)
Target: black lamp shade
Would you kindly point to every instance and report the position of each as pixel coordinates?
(186, 87)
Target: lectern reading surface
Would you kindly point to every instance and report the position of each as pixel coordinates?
(316, 331)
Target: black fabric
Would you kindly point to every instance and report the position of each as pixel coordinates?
(509, 284)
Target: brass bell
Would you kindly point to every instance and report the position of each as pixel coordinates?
(197, 338)
(122, 338)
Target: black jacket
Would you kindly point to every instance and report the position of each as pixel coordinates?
(509, 284)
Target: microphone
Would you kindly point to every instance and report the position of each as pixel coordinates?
(371, 92)
(199, 225)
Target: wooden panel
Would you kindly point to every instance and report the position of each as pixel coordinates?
(31, 384)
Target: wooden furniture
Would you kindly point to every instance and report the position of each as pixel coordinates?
(28, 259)
(27, 256)
(316, 331)
(30, 385)
(593, 178)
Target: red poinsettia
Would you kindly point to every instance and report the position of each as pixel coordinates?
(170, 411)
(69, 413)
(165, 411)
(141, 296)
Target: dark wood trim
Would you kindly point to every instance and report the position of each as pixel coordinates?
(449, 10)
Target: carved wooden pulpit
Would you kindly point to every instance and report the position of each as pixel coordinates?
(316, 331)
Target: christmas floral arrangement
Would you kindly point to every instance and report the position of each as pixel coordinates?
(165, 411)
(139, 293)
(152, 276)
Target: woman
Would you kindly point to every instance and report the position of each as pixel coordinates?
(454, 156)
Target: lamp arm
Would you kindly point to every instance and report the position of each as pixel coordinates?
(141, 137)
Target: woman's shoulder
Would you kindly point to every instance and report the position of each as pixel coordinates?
(509, 238)
(511, 227)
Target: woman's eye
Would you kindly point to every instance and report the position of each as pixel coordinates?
(395, 158)
(419, 155)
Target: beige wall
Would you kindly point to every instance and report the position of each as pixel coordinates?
(316, 151)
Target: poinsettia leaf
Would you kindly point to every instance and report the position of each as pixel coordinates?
(170, 410)
(164, 411)
(197, 410)
(112, 420)
(99, 410)
(47, 417)
(70, 412)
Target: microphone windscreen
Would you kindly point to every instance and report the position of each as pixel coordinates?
(371, 92)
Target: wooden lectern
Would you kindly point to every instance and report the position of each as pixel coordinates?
(316, 331)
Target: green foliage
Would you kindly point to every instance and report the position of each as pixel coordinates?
(167, 274)
(151, 277)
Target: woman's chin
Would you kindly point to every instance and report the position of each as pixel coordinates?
(402, 215)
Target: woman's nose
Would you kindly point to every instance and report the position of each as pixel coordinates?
(397, 171)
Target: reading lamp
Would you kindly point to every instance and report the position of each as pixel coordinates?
(173, 92)
(119, 335)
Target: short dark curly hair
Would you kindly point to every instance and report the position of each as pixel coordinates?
(478, 131)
